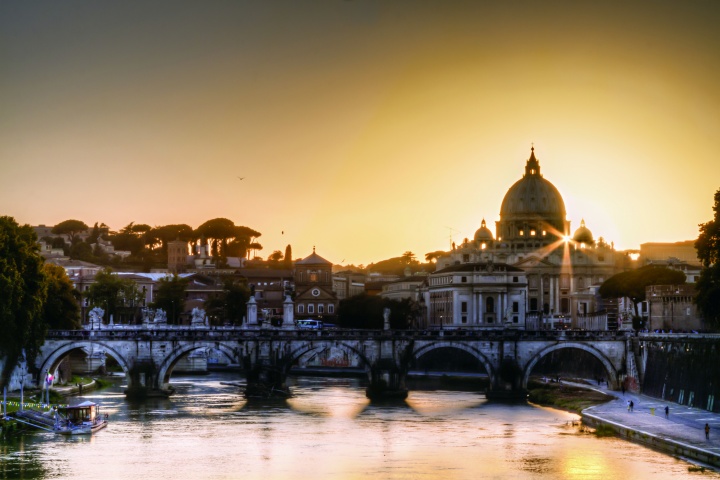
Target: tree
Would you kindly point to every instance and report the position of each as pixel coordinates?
(112, 293)
(169, 233)
(71, 228)
(276, 256)
(62, 310)
(361, 311)
(632, 284)
(254, 246)
(366, 311)
(170, 296)
(429, 257)
(708, 285)
(219, 230)
(82, 251)
(23, 290)
(409, 258)
(288, 263)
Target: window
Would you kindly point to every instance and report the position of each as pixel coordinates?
(466, 258)
(489, 305)
(532, 233)
(516, 307)
(463, 307)
(301, 308)
(515, 279)
(463, 279)
(463, 319)
(533, 304)
(515, 319)
(331, 308)
(522, 232)
(321, 308)
(311, 308)
(313, 277)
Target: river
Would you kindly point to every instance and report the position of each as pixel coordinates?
(329, 430)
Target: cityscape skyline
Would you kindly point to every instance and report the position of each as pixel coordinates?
(363, 129)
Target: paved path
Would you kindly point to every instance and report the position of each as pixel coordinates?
(684, 425)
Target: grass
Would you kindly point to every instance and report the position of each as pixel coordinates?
(565, 397)
(604, 430)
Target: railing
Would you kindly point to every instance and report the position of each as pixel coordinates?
(238, 333)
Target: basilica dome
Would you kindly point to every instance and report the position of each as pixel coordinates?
(583, 234)
(483, 234)
(532, 207)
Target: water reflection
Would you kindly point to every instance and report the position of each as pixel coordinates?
(329, 430)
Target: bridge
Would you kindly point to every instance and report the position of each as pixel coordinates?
(148, 355)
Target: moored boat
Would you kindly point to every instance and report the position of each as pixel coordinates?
(81, 419)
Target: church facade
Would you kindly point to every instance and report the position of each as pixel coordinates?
(548, 273)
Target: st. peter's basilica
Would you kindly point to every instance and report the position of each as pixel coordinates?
(532, 270)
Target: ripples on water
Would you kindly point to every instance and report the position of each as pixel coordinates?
(329, 430)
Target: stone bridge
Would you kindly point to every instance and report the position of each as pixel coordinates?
(148, 355)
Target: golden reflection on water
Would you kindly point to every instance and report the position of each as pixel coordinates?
(349, 407)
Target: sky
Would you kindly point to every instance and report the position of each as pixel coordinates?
(364, 129)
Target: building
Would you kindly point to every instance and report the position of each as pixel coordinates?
(534, 241)
(177, 251)
(314, 295)
(477, 294)
(671, 308)
(347, 284)
(661, 251)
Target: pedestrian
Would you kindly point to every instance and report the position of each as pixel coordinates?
(632, 405)
(628, 404)
(667, 411)
(707, 432)
(622, 387)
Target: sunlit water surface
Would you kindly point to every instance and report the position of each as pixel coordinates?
(329, 430)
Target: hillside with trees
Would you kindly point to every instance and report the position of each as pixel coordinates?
(138, 246)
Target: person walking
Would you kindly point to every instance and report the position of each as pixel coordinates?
(667, 411)
(707, 431)
(632, 405)
(628, 404)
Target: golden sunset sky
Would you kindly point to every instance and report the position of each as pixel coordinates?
(366, 129)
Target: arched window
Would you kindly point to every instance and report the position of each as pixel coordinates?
(490, 305)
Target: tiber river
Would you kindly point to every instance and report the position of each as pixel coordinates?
(329, 430)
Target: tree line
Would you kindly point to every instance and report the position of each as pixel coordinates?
(147, 246)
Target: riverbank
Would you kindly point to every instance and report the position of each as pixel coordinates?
(680, 433)
(572, 397)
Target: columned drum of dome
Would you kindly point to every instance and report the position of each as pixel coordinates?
(533, 211)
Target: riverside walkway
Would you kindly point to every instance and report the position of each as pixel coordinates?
(681, 434)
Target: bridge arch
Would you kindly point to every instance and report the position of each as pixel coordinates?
(166, 366)
(52, 360)
(317, 347)
(479, 356)
(600, 356)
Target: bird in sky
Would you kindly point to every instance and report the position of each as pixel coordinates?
(241, 178)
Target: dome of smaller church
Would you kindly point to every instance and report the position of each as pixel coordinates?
(483, 235)
(583, 234)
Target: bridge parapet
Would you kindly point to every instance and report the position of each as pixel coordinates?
(230, 333)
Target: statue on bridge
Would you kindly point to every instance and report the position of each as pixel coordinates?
(160, 317)
(199, 319)
(96, 316)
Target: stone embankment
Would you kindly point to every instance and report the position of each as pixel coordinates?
(681, 433)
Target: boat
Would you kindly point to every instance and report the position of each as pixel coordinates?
(81, 419)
